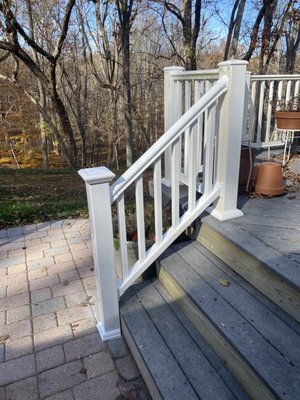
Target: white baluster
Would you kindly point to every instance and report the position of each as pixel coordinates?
(199, 91)
(209, 149)
(260, 111)
(192, 166)
(279, 95)
(123, 236)
(245, 135)
(288, 92)
(157, 201)
(269, 111)
(296, 91)
(187, 106)
(175, 165)
(252, 108)
(140, 217)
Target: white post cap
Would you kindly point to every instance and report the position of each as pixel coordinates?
(96, 175)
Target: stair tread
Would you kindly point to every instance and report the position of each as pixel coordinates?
(270, 346)
(169, 379)
(270, 257)
(251, 289)
(173, 349)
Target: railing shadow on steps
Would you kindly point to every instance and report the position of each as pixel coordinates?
(212, 126)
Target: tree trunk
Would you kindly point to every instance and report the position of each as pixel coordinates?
(292, 46)
(127, 101)
(230, 30)
(126, 17)
(237, 28)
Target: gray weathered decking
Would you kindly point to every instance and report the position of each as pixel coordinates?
(252, 324)
(275, 221)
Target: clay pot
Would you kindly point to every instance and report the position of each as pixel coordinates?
(288, 119)
(269, 179)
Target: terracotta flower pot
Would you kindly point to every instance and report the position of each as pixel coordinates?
(269, 179)
(288, 120)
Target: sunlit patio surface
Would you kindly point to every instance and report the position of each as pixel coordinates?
(49, 344)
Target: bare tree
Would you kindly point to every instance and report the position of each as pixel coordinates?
(99, 30)
(127, 11)
(13, 35)
(237, 29)
(188, 14)
(292, 39)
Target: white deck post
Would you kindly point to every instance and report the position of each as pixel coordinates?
(171, 114)
(229, 140)
(97, 188)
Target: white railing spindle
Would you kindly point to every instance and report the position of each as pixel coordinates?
(140, 221)
(122, 236)
(157, 201)
(269, 112)
(260, 110)
(188, 103)
(208, 150)
(175, 166)
(192, 166)
(288, 92)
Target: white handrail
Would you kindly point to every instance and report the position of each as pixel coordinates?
(206, 74)
(275, 77)
(159, 147)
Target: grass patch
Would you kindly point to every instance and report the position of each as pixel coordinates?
(30, 196)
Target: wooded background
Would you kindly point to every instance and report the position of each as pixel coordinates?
(81, 82)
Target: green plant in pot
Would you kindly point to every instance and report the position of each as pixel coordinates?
(287, 114)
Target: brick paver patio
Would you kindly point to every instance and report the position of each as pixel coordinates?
(49, 344)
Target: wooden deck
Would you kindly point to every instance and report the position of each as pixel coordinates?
(235, 297)
(275, 221)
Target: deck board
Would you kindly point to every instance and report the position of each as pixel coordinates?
(176, 361)
(287, 319)
(148, 346)
(242, 337)
(272, 220)
(284, 339)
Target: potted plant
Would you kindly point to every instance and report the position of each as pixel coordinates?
(287, 114)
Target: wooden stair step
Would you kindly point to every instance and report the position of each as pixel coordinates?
(259, 348)
(273, 273)
(175, 361)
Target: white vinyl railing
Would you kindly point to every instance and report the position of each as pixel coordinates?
(213, 126)
(266, 91)
(182, 90)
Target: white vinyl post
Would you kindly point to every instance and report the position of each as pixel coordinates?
(97, 188)
(245, 136)
(171, 112)
(229, 139)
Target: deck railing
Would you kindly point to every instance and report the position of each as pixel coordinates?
(181, 90)
(213, 126)
(265, 93)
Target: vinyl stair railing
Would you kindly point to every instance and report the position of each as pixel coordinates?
(219, 111)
